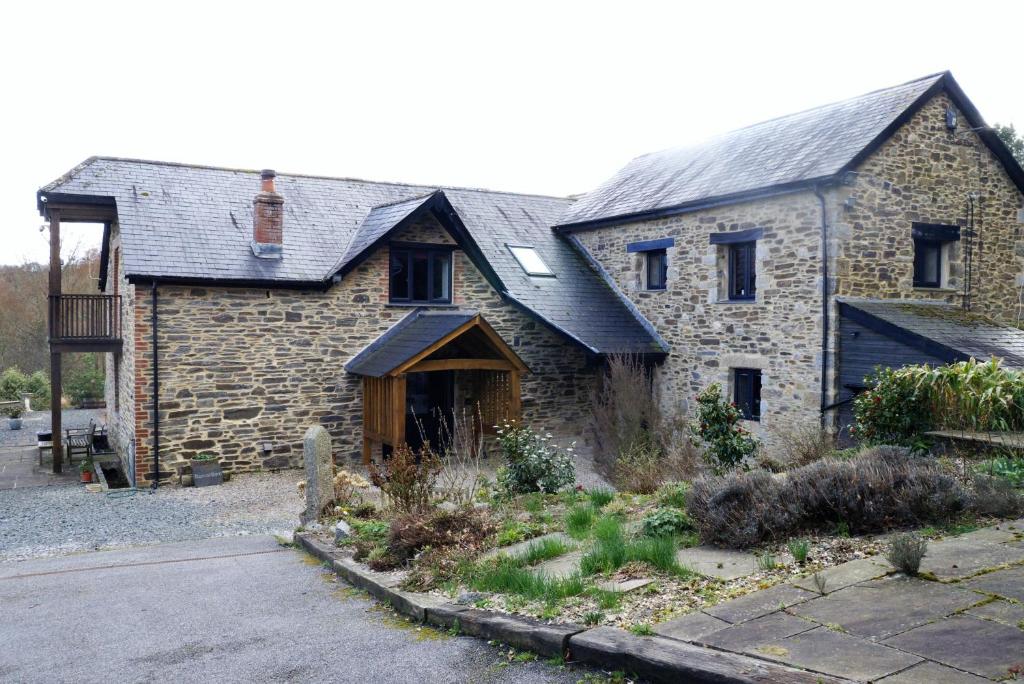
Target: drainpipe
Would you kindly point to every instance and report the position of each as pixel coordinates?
(156, 394)
(824, 303)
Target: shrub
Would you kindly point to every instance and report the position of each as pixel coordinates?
(83, 381)
(12, 384)
(464, 528)
(346, 488)
(995, 497)
(882, 488)
(578, 521)
(532, 464)
(673, 494)
(15, 411)
(38, 385)
(666, 522)
(727, 443)
(906, 552)
(905, 402)
(1010, 468)
(407, 479)
(798, 445)
(461, 479)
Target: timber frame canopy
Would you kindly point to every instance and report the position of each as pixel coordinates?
(429, 341)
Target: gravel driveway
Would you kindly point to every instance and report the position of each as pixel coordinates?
(45, 521)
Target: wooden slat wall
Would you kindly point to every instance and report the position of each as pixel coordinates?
(498, 397)
(383, 412)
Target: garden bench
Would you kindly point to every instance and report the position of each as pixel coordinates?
(79, 440)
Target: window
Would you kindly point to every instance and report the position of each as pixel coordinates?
(927, 263)
(743, 270)
(747, 392)
(421, 274)
(657, 269)
(530, 261)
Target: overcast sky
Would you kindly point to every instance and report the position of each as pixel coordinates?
(544, 97)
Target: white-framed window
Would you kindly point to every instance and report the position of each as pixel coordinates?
(530, 261)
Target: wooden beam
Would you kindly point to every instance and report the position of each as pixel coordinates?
(500, 345)
(56, 428)
(65, 346)
(475, 322)
(82, 213)
(427, 366)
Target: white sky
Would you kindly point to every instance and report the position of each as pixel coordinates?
(543, 97)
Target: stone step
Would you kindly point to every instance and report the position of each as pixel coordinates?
(712, 561)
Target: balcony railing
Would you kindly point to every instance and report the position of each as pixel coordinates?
(85, 319)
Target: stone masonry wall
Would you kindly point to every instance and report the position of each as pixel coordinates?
(779, 332)
(243, 367)
(926, 173)
(119, 389)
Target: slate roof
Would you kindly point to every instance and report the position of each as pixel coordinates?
(195, 223)
(406, 339)
(943, 330)
(794, 149)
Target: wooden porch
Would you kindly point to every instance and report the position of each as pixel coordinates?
(490, 370)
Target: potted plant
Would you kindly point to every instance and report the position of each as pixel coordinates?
(14, 416)
(86, 469)
(206, 470)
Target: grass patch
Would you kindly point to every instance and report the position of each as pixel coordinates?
(599, 498)
(611, 550)
(642, 629)
(509, 578)
(579, 520)
(673, 494)
(542, 550)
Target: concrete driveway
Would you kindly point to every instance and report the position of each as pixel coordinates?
(221, 610)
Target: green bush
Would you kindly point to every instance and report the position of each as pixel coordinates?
(12, 384)
(906, 402)
(1010, 468)
(532, 463)
(38, 385)
(673, 494)
(727, 443)
(666, 522)
(83, 381)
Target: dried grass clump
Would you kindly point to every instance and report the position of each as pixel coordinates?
(995, 497)
(407, 479)
(906, 551)
(794, 446)
(881, 488)
(440, 542)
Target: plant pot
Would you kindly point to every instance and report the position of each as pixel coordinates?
(206, 473)
(14, 423)
(86, 476)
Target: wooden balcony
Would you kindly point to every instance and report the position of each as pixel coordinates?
(85, 323)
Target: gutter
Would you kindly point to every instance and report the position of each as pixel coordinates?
(156, 391)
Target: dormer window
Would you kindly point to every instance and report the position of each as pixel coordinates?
(421, 274)
(530, 261)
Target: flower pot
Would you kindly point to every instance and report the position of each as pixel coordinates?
(86, 476)
(14, 423)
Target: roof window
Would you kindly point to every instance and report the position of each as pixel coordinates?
(530, 261)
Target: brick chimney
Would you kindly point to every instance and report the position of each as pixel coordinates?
(267, 219)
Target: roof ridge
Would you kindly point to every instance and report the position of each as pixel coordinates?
(714, 136)
(211, 167)
(423, 196)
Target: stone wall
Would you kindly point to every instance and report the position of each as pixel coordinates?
(242, 367)
(779, 332)
(119, 389)
(925, 173)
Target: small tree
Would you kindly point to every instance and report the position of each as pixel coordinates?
(727, 443)
(1008, 134)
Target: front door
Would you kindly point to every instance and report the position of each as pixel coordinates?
(430, 401)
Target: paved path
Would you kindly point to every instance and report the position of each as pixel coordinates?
(220, 610)
(963, 624)
(35, 421)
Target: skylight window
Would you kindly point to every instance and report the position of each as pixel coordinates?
(530, 261)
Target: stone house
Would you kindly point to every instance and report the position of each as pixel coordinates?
(782, 260)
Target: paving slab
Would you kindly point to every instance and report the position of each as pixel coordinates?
(690, 627)
(999, 534)
(837, 654)
(847, 574)
(760, 603)
(956, 558)
(1001, 611)
(985, 648)
(712, 561)
(748, 636)
(561, 567)
(884, 607)
(520, 547)
(625, 585)
(1008, 583)
(932, 673)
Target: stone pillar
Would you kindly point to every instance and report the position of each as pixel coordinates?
(316, 448)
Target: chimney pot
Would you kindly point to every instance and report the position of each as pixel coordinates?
(267, 219)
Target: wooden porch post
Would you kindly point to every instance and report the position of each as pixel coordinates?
(515, 400)
(398, 411)
(57, 451)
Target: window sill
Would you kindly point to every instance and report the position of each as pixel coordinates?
(420, 305)
(735, 302)
(943, 290)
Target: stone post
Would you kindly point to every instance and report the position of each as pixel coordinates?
(316, 448)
